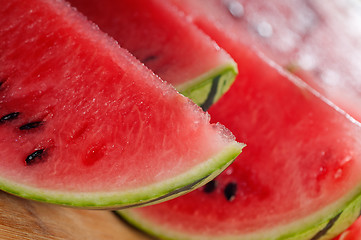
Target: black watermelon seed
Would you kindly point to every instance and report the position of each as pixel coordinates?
(230, 191)
(32, 158)
(9, 117)
(31, 125)
(210, 186)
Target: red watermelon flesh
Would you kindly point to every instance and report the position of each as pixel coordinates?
(321, 38)
(298, 178)
(162, 38)
(83, 123)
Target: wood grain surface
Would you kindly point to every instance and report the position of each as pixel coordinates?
(25, 219)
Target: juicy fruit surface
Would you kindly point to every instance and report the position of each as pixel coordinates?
(162, 38)
(323, 41)
(80, 115)
(302, 174)
(319, 38)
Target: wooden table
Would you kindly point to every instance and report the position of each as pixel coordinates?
(24, 219)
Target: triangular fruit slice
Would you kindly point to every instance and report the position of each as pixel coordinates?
(165, 41)
(298, 178)
(83, 123)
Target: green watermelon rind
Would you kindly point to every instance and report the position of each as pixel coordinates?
(142, 196)
(209, 87)
(324, 224)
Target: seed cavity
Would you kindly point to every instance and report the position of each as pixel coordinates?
(35, 157)
(210, 186)
(149, 58)
(9, 117)
(31, 125)
(94, 154)
(2, 81)
(230, 191)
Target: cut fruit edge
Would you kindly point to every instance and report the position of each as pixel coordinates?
(142, 196)
(320, 225)
(205, 86)
(209, 87)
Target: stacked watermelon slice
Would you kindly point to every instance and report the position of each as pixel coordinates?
(164, 41)
(291, 187)
(299, 176)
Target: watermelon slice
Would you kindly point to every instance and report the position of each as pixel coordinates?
(319, 38)
(162, 38)
(83, 123)
(298, 178)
